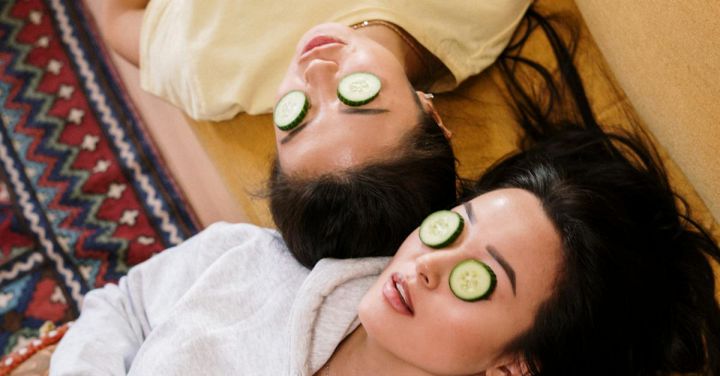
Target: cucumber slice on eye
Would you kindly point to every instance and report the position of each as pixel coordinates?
(359, 88)
(472, 280)
(290, 110)
(441, 228)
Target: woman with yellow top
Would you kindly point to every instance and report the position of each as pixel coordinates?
(376, 164)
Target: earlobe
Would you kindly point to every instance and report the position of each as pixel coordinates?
(516, 367)
(426, 100)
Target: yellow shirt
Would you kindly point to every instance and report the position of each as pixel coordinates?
(216, 58)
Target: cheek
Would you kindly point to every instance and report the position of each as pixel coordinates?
(460, 331)
(463, 341)
(291, 81)
(371, 57)
(454, 338)
(285, 86)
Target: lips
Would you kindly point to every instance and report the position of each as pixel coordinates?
(396, 292)
(318, 41)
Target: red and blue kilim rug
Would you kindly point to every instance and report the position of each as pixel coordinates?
(83, 194)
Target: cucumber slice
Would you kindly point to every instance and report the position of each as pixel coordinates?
(290, 110)
(441, 228)
(472, 280)
(359, 88)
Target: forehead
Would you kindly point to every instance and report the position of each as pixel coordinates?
(523, 207)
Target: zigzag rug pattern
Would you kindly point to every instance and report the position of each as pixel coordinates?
(83, 194)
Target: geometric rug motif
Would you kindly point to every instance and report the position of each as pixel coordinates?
(84, 194)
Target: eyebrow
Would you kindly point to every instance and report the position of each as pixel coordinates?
(469, 211)
(350, 111)
(494, 253)
(364, 111)
(293, 132)
(504, 264)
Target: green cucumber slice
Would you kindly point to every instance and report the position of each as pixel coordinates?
(472, 280)
(359, 88)
(290, 110)
(441, 228)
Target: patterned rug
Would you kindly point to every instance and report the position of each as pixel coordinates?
(83, 194)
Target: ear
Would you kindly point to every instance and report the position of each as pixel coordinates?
(514, 367)
(427, 104)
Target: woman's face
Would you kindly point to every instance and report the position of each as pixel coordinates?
(333, 135)
(438, 333)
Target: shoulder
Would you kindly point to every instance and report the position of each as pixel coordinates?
(232, 234)
(220, 240)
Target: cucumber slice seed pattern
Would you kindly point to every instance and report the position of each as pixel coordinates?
(441, 228)
(472, 280)
(290, 110)
(359, 88)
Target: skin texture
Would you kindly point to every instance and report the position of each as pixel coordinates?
(445, 335)
(120, 24)
(337, 136)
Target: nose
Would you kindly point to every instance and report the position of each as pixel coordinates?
(432, 267)
(320, 78)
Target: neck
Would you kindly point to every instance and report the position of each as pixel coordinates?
(417, 61)
(359, 355)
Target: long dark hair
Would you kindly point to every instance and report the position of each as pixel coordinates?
(368, 210)
(636, 295)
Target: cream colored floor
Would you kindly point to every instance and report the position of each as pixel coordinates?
(667, 59)
(187, 161)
